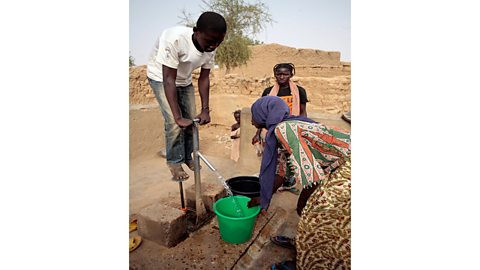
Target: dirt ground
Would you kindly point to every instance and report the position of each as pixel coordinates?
(150, 183)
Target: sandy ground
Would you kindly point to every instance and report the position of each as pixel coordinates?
(150, 182)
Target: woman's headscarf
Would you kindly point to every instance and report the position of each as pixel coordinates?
(269, 111)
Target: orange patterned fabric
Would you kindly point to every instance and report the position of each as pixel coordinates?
(292, 101)
(313, 150)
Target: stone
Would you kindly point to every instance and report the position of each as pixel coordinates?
(210, 194)
(165, 225)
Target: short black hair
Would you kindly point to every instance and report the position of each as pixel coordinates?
(288, 66)
(211, 21)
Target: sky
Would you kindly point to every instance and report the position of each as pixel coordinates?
(308, 24)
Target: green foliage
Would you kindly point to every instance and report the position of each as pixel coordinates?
(244, 20)
(254, 42)
(233, 52)
(131, 61)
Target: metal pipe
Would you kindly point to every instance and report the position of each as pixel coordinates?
(181, 194)
(206, 161)
(199, 210)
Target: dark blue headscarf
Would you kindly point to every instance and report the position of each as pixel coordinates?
(269, 111)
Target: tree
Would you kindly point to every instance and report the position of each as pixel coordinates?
(244, 20)
(131, 61)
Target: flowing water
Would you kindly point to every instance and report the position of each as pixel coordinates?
(236, 205)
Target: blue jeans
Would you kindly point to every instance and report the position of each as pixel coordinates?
(178, 142)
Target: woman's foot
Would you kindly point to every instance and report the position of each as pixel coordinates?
(283, 241)
(178, 174)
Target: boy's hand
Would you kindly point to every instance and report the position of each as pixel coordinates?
(204, 117)
(183, 122)
(255, 139)
(235, 126)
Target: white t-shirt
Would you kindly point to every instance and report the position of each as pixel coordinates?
(175, 49)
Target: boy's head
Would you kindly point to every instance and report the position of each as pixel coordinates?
(283, 72)
(236, 114)
(210, 30)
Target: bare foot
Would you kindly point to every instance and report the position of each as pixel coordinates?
(191, 165)
(178, 174)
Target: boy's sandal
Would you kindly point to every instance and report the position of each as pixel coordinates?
(134, 243)
(178, 174)
(283, 241)
(285, 265)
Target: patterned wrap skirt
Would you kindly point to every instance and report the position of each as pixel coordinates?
(323, 237)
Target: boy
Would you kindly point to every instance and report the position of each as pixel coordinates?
(178, 51)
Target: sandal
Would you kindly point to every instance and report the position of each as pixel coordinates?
(134, 243)
(292, 190)
(133, 225)
(283, 241)
(347, 117)
(178, 174)
(285, 265)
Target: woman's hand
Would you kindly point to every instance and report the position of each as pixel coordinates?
(253, 202)
(255, 139)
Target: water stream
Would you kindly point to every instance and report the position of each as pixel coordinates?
(236, 205)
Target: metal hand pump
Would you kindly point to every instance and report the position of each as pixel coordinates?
(199, 206)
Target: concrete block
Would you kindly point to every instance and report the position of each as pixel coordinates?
(210, 194)
(165, 225)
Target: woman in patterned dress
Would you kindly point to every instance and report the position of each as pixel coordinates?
(314, 154)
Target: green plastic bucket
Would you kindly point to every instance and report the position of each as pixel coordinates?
(233, 229)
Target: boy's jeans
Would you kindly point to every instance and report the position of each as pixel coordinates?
(178, 142)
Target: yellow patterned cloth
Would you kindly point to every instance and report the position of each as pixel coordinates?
(323, 234)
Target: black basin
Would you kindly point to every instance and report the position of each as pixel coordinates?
(245, 185)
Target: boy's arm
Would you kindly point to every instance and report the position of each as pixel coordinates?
(169, 76)
(204, 90)
(256, 137)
